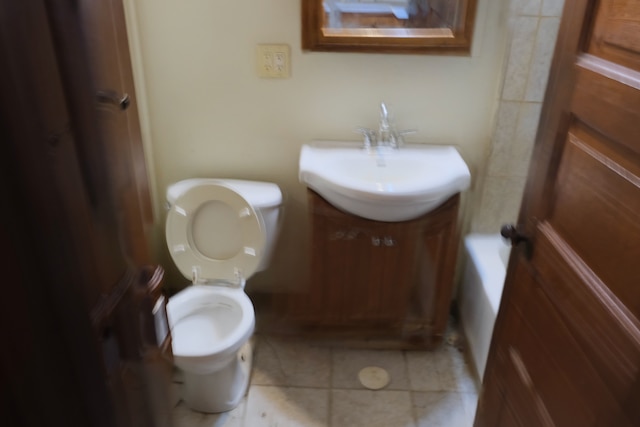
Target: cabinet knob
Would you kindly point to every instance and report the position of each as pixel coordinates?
(385, 241)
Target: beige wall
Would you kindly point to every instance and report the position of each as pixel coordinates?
(208, 114)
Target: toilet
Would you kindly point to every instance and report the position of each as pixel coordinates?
(219, 233)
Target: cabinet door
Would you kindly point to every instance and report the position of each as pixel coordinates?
(362, 271)
(390, 280)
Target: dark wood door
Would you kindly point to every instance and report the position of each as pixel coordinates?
(104, 36)
(566, 347)
(80, 344)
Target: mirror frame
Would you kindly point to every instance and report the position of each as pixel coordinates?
(452, 41)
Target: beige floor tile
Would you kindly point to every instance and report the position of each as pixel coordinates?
(269, 406)
(291, 363)
(470, 403)
(442, 369)
(175, 394)
(185, 417)
(291, 380)
(233, 418)
(440, 409)
(421, 366)
(177, 375)
(365, 408)
(453, 371)
(348, 363)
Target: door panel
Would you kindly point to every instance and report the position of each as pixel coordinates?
(607, 333)
(567, 337)
(539, 355)
(601, 181)
(615, 33)
(606, 87)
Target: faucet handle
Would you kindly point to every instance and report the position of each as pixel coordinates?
(399, 136)
(369, 136)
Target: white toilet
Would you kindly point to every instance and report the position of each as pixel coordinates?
(219, 232)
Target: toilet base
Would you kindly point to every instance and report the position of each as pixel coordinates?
(222, 390)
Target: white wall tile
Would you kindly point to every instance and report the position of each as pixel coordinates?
(503, 138)
(542, 56)
(552, 7)
(525, 7)
(519, 58)
(500, 203)
(525, 134)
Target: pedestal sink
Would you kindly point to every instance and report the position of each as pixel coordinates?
(383, 183)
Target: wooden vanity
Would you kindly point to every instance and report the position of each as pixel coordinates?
(381, 284)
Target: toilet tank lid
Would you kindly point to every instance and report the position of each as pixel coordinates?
(257, 193)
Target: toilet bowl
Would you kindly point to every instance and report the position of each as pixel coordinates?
(219, 233)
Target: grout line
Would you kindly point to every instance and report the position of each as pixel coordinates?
(414, 412)
(311, 387)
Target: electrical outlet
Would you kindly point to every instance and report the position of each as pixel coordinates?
(274, 61)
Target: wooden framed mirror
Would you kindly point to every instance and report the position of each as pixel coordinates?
(389, 26)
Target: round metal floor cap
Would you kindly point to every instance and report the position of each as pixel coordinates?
(374, 377)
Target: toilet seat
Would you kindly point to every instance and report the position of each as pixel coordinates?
(214, 234)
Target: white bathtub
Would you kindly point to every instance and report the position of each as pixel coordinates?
(486, 257)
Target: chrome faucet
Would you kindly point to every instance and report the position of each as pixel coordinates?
(387, 135)
(385, 132)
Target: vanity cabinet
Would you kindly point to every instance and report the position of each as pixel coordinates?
(388, 283)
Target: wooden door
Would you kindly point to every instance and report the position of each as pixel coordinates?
(104, 36)
(77, 303)
(566, 347)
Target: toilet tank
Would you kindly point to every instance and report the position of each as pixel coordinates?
(264, 197)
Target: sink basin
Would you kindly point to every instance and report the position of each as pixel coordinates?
(382, 183)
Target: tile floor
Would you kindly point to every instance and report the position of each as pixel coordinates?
(299, 384)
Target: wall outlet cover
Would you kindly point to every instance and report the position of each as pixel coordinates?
(273, 61)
